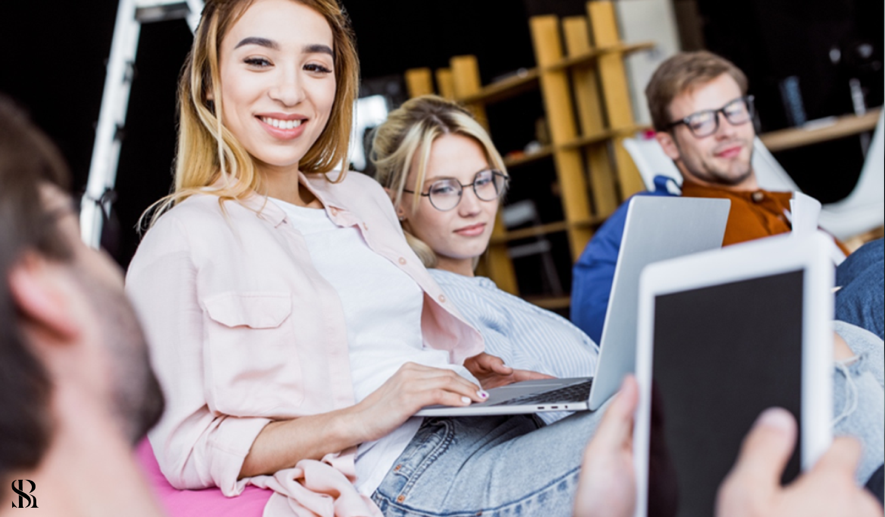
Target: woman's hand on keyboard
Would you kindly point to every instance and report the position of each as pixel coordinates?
(411, 388)
(491, 371)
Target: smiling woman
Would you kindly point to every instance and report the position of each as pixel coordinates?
(209, 155)
(292, 328)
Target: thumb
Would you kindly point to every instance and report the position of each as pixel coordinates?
(766, 449)
(616, 427)
(842, 457)
(496, 364)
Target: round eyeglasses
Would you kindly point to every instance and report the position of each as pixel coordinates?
(705, 123)
(445, 194)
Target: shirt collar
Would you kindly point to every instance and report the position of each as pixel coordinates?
(275, 215)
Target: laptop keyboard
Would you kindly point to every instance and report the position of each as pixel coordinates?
(574, 393)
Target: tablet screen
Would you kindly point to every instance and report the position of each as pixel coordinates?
(722, 355)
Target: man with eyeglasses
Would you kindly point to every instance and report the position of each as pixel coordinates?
(703, 120)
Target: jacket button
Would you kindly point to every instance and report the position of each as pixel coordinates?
(402, 261)
(442, 298)
(758, 196)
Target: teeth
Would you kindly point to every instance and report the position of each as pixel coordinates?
(281, 124)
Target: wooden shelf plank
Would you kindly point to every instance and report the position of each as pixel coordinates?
(588, 58)
(419, 81)
(551, 302)
(500, 90)
(607, 134)
(528, 80)
(545, 229)
(542, 153)
(615, 90)
(820, 131)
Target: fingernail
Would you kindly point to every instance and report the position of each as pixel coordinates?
(482, 394)
(465, 400)
(777, 418)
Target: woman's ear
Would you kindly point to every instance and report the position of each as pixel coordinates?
(400, 212)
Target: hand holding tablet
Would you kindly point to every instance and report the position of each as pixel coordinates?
(752, 489)
(753, 486)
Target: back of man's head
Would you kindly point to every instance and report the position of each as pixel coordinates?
(683, 72)
(27, 160)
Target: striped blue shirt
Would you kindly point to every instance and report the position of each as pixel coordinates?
(525, 336)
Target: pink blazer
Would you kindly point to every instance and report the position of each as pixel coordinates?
(243, 330)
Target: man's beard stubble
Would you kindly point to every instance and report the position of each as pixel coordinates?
(137, 398)
(708, 172)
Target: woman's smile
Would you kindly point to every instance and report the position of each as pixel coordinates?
(282, 126)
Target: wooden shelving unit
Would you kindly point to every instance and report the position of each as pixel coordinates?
(583, 85)
(818, 131)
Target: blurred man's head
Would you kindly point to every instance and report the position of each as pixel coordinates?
(704, 119)
(65, 322)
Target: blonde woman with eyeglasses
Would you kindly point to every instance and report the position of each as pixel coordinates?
(446, 181)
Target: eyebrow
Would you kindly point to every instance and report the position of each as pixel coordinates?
(436, 178)
(316, 48)
(262, 42)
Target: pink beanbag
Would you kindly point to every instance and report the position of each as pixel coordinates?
(197, 503)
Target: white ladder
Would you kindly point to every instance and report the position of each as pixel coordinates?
(131, 14)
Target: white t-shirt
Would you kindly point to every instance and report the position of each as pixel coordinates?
(382, 308)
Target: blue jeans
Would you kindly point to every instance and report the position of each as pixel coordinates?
(858, 397)
(509, 466)
(495, 465)
(861, 301)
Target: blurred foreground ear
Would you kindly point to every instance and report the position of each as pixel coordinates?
(668, 144)
(41, 298)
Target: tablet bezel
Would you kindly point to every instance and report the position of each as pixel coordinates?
(782, 254)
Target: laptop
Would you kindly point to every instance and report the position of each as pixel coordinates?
(656, 228)
(724, 335)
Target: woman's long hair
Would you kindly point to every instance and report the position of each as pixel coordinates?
(208, 153)
(405, 140)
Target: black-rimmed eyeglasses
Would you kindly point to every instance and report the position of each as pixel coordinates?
(445, 194)
(705, 123)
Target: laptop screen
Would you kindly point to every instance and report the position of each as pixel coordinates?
(722, 355)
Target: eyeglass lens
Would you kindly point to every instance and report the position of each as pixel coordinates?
(446, 194)
(705, 123)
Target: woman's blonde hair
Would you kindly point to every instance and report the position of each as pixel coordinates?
(208, 151)
(404, 141)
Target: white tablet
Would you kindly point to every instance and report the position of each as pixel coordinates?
(722, 336)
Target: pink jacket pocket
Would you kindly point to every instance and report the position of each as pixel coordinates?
(251, 357)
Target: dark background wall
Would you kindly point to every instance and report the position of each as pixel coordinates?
(53, 53)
